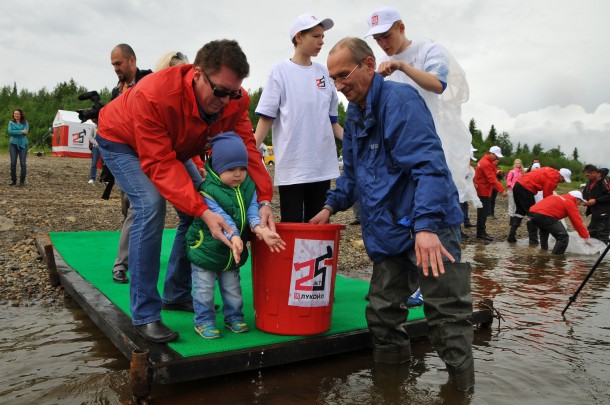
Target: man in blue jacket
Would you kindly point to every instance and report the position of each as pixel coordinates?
(393, 164)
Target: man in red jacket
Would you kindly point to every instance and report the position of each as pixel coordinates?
(485, 180)
(548, 213)
(544, 179)
(147, 138)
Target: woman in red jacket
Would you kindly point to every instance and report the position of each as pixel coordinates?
(548, 213)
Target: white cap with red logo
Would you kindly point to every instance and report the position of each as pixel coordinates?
(381, 20)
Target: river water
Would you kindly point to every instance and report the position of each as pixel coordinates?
(533, 356)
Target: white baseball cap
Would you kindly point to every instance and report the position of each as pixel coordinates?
(566, 173)
(577, 194)
(496, 151)
(381, 20)
(535, 165)
(307, 21)
(472, 151)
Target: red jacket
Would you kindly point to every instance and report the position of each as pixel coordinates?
(559, 207)
(544, 179)
(160, 120)
(485, 177)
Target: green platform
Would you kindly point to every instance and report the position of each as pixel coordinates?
(92, 254)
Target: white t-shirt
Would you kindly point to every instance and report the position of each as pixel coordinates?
(446, 108)
(301, 100)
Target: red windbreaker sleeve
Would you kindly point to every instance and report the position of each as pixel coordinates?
(492, 179)
(576, 219)
(159, 161)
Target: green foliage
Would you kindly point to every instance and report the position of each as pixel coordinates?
(40, 109)
(477, 135)
(503, 141)
(254, 98)
(537, 149)
(492, 136)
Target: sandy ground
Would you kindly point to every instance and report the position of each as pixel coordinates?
(57, 197)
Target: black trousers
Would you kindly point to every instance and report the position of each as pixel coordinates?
(549, 225)
(482, 214)
(524, 199)
(492, 202)
(301, 202)
(599, 227)
(464, 207)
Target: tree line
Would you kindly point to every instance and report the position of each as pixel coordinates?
(41, 107)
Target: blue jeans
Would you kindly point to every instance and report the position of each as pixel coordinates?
(145, 235)
(95, 156)
(204, 284)
(177, 288)
(15, 151)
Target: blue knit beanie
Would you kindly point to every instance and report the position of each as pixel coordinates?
(228, 152)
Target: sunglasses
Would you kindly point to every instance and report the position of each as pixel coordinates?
(179, 56)
(233, 95)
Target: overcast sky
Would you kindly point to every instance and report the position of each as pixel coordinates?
(537, 69)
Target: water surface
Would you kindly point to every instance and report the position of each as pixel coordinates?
(533, 356)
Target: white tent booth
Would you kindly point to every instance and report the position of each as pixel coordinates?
(70, 136)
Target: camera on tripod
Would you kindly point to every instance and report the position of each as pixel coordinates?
(92, 112)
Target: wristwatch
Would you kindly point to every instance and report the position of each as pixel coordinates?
(264, 204)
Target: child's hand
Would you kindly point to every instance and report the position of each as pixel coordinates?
(237, 246)
(273, 240)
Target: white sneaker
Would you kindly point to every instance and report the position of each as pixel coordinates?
(91, 181)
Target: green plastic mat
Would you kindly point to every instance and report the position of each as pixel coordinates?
(92, 254)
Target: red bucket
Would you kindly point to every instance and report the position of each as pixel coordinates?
(294, 289)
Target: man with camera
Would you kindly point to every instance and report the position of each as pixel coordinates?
(123, 59)
(147, 138)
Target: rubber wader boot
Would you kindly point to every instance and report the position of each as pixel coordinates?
(391, 355)
(448, 309)
(515, 223)
(532, 231)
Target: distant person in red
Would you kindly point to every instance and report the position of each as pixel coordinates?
(544, 179)
(485, 180)
(548, 213)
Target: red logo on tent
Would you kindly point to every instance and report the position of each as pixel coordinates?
(79, 137)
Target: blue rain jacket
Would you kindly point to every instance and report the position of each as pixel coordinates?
(394, 164)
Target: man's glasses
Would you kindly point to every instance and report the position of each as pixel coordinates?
(179, 56)
(233, 95)
(344, 78)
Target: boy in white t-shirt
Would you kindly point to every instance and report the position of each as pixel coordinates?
(438, 79)
(299, 102)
